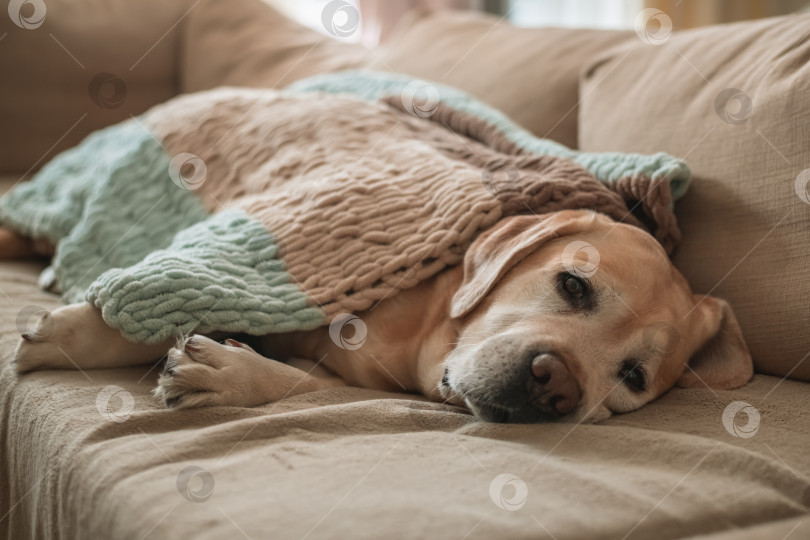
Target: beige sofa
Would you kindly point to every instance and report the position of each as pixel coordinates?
(92, 455)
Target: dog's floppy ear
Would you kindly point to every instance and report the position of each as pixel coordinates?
(723, 361)
(500, 248)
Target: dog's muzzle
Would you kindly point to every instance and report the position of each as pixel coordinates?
(541, 389)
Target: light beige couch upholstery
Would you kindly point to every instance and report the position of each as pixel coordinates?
(92, 455)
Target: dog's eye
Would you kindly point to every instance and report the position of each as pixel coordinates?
(577, 293)
(574, 286)
(632, 374)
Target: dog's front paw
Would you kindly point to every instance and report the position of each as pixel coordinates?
(200, 372)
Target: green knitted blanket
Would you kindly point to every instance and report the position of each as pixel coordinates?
(259, 211)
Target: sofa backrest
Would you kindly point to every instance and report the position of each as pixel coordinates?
(69, 68)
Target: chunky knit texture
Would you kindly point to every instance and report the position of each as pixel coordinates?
(301, 205)
(223, 273)
(424, 96)
(107, 203)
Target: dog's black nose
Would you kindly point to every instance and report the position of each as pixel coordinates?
(553, 389)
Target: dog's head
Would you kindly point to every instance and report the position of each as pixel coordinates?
(572, 317)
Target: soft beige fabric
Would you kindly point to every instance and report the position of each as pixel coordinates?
(791, 528)
(248, 43)
(49, 100)
(531, 74)
(746, 231)
(353, 463)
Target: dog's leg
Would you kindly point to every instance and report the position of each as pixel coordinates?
(76, 337)
(201, 372)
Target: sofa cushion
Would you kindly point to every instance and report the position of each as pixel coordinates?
(531, 74)
(248, 43)
(734, 101)
(83, 66)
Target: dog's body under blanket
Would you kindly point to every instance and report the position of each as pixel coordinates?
(260, 211)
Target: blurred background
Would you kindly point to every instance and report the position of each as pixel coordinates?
(380, 16)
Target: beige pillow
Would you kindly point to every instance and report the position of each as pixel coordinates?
(531, 74)
(248, 43)
(734, 101)
(85, 65)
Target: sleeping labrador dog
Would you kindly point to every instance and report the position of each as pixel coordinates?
(567, 316)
